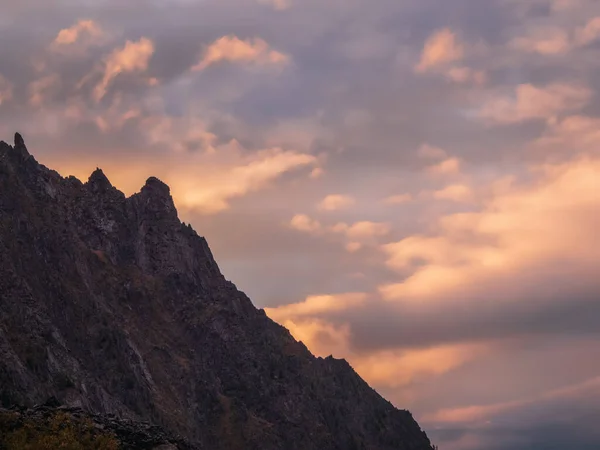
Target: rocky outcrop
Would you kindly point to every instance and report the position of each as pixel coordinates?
(112, 305)
(47, 421)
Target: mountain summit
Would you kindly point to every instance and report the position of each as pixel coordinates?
(112, 305)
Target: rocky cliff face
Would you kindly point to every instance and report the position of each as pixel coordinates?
(112, 305)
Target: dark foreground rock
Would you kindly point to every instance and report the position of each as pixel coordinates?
(52, 424)
(113, 306)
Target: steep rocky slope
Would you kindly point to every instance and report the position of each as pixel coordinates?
(112, 305)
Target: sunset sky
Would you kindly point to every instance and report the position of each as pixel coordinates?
(411, 185)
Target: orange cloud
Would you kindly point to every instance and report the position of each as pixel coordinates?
(556, 41)
(442, 54)
(321, 337)
(356, 234)
(203, 182)
(83, 28)
(455, 193)
(481, 413)
(589, 33)
(531, 102)
(576, 133)
(317, 304)
(117, 115)
(362, 231)
(520, 227)
(441, 48)
(352, 247)
(134, 56)
(302, 222)
(389, 368)
(317, 172)
(233, 49)
(212, 194)
(397, 368)
(336, 202)
(448, 166)
(545, 41)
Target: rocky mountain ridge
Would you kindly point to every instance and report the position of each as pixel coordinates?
(112, 305)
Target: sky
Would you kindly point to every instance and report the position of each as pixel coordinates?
(411, 185)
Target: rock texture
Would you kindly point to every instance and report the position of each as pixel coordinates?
(112, 305)
(123, 434)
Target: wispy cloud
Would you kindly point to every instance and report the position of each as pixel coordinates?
(531, 102)
(441, 48)
(83, 29)
(232, 49)
(134, 56)
(334, 202)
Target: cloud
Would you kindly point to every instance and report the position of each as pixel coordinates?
(321, 337)
(316, 305)
(455, 193)
(443, 54)
(479, 413)
(233, 49)
(510, 234)
(212, 194)
(399, 368)
(391, 368)
(440, 49)
(83, 29)
(431, 152)
(445, 167)
(589, 33)
(356, 235)
(362, 231)
(335, 202)
(42, 89)
(463, 74)
(552, 40)
(134, 56)
(302, 222)
(572, 133)
(201, 182)
(357, 231)
(531, 102)
(545, 41)
(352, 247)
(317, 172)
(180, 134)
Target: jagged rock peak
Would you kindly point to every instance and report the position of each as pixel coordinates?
(156, 198)
(156, 187)
(20, 147)
(19, 141)
(98, 181)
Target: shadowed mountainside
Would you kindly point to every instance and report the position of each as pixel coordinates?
(112, 305)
